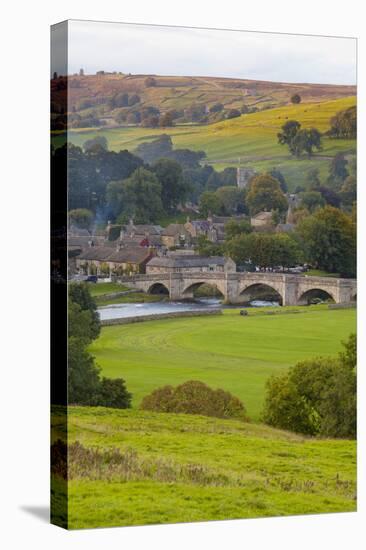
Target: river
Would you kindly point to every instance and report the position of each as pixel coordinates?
(116, 311)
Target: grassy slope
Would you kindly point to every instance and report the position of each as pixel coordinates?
(244, 470)
(252, 137)
(229, 351)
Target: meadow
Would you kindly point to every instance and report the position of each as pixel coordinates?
(229, 351)
(133, 467)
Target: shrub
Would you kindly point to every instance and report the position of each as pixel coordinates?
(195, 397)
(316, 397)
(112, 393)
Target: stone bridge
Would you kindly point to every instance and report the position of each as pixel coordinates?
(242, 287)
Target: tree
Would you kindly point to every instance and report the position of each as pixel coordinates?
(306, 141)
(312, 178)
(344, 124)
(81, 217)
(100, 141)
(209, 203)
(79, 294)
(166, 120)
(289, 131)
(338, 170)
(233, 113)
(316, 397)
(295, 99)
(208, 248)
(112, 393)
(216, 108)
(83, 374)
(234, 228)
(264, 249)
(174, 188)
(138, 196)
(231, 199)
(312, 200)
(265, 194)
(348, 192)
(276, 174)
(329, 241)
(156, 149)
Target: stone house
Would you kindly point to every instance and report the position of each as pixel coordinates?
(192, 264)
(104, 259)
(175, 234)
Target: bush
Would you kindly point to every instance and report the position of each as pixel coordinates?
(194, 397)
(112, 393)
(316, 397)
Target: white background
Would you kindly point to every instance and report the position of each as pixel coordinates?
(24, 216)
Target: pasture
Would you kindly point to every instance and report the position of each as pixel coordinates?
(252, 138)
(171, 468)
(229, 351)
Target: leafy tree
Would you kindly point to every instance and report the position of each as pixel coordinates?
(231, 199)
(194, 397)
(276, 174)
(166, 120)
(234, 228)
(329, 195)
(316, 396)
(312, 178)
(289, 131)
(265, 194)
(79, 295)
(81, 217)
(338, 170)
(348, 192)
(89, 144)
(156, 149)
(312, 200)
(233, 113)
(112, 393)
(173, 187)
(264, 249)
(186, 157)
(306, 141)
(228, 176)
(216, 108)
(83, 374)
(208, 248)
(138, 196)
(329, 240)
(344, 124)
(209, 203)
(295, 99)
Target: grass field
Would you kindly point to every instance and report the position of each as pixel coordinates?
(229, 351)
(159, 468)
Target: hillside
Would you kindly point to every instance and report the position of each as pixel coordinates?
(159, 468)
(180, 92)
(251, 137)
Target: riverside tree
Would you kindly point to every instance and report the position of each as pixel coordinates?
(265, 193)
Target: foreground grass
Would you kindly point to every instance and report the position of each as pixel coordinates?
(229, 351)
(177, 468)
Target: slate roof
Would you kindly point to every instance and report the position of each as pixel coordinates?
(174, 229)
(131, 255)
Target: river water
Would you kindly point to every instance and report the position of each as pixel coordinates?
(117, 311)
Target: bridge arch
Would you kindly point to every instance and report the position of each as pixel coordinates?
(306, 297)
(252, 291)
(192, 287)
(158, 288)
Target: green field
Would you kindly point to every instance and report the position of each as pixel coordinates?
(179, 468)
(252, 137)
(229, 351)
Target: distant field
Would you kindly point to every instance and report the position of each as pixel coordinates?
(252, 137)
(229, 351)
(180, 468)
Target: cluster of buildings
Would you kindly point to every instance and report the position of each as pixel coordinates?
(139, 248)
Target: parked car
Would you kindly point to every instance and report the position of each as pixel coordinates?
(92, 279)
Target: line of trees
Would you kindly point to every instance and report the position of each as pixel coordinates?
(85, 385)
